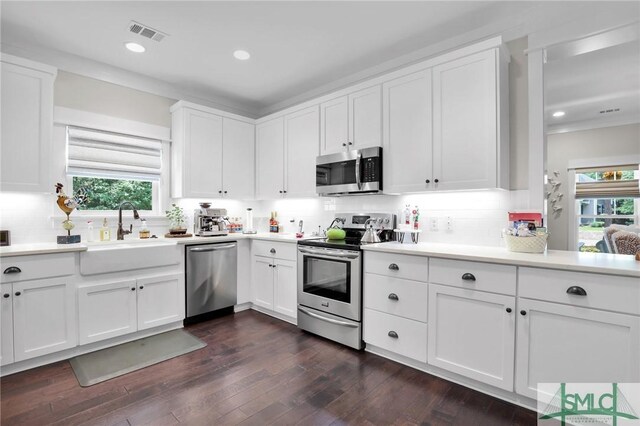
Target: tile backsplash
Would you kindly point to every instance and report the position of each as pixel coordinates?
(476, 217)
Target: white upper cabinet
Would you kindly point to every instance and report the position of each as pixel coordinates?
(286, 151)
(407, 133)
(238, 168)
(466, 134)
(446, 127)
(301, 131)
(351, 121)
(211, 155)
(334, 133)
(270, 159)
(27, 123)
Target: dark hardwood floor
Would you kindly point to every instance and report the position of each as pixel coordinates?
(256, 370)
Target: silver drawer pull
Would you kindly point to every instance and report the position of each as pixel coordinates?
(393, 296)
(576, 291)
(12, 270)
(392, 334)
(394, 267)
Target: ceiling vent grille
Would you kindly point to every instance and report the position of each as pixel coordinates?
(609, 111)
(144, 31)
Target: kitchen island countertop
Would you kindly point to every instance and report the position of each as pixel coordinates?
(601, 263)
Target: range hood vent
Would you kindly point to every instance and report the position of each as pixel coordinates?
(145, 31)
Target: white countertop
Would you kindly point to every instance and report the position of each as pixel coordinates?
(602, 263)
(49, 248)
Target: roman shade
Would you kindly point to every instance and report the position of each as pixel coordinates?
(608, 188)
(112, 155)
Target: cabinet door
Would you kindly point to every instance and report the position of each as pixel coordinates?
(270, 159)
(160, 300)
(27, 123)
(465, 122)
(106, 310)
(6, 325)
(472, 333)
(563, 343)
(334, 125)
(263, 282)
(44, 317)
(202, 155)
(285, 296)
(365, 117)
(238, 163)
(301, 134)
(407, 136)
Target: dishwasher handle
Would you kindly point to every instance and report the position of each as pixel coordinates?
(214, 248)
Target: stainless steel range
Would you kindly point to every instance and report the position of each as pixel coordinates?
(330, 279)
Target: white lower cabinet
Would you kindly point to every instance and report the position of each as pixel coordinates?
(285, 296)
(6, 325)
(472, 333)
(43, 317)
(566, 343)
(160, 300)
(121, 307)
(274, 282)
(396, 334)
(107, 310)
(275, 285)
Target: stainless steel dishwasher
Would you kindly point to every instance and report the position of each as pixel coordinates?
(211, 279)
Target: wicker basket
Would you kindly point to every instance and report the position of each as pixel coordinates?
(535, 244)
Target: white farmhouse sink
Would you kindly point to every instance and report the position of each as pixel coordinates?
(116, 256)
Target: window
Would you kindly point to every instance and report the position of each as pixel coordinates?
(114, 168)
(605, 196)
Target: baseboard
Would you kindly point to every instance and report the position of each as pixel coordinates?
(277, 315)
(511, 397)
(242, 307)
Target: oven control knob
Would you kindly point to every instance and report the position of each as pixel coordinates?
(386, 220)
(379, 220)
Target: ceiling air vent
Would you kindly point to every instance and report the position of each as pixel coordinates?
(144, 31)
(609, 111)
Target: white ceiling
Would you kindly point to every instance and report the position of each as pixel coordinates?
(297, 47)
(601, 80)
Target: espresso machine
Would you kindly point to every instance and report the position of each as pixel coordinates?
(208, 222)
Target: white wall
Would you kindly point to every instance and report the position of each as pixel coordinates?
(477, 216)
(88, 94)
(518, 115)
(587, 144)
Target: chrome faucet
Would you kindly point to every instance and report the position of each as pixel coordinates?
(122, 232)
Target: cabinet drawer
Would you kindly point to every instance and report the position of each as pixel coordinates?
(411, 340)
(286, 251)
(37, 266)
(473, 275)
(396, 265)
(396, 296)
(621, 294)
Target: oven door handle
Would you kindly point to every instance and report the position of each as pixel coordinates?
(332, 255)
(329, 320)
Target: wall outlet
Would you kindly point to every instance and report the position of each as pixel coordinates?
(449, 224)
(433, 224)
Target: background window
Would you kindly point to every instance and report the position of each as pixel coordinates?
(605, 197)
(107, 194)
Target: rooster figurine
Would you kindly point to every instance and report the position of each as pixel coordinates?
(67, 205)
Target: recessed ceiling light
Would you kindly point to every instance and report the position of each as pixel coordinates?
(558, 114)
(242, 55)
(135, 47)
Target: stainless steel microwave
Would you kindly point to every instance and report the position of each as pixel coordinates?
(349, 173)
